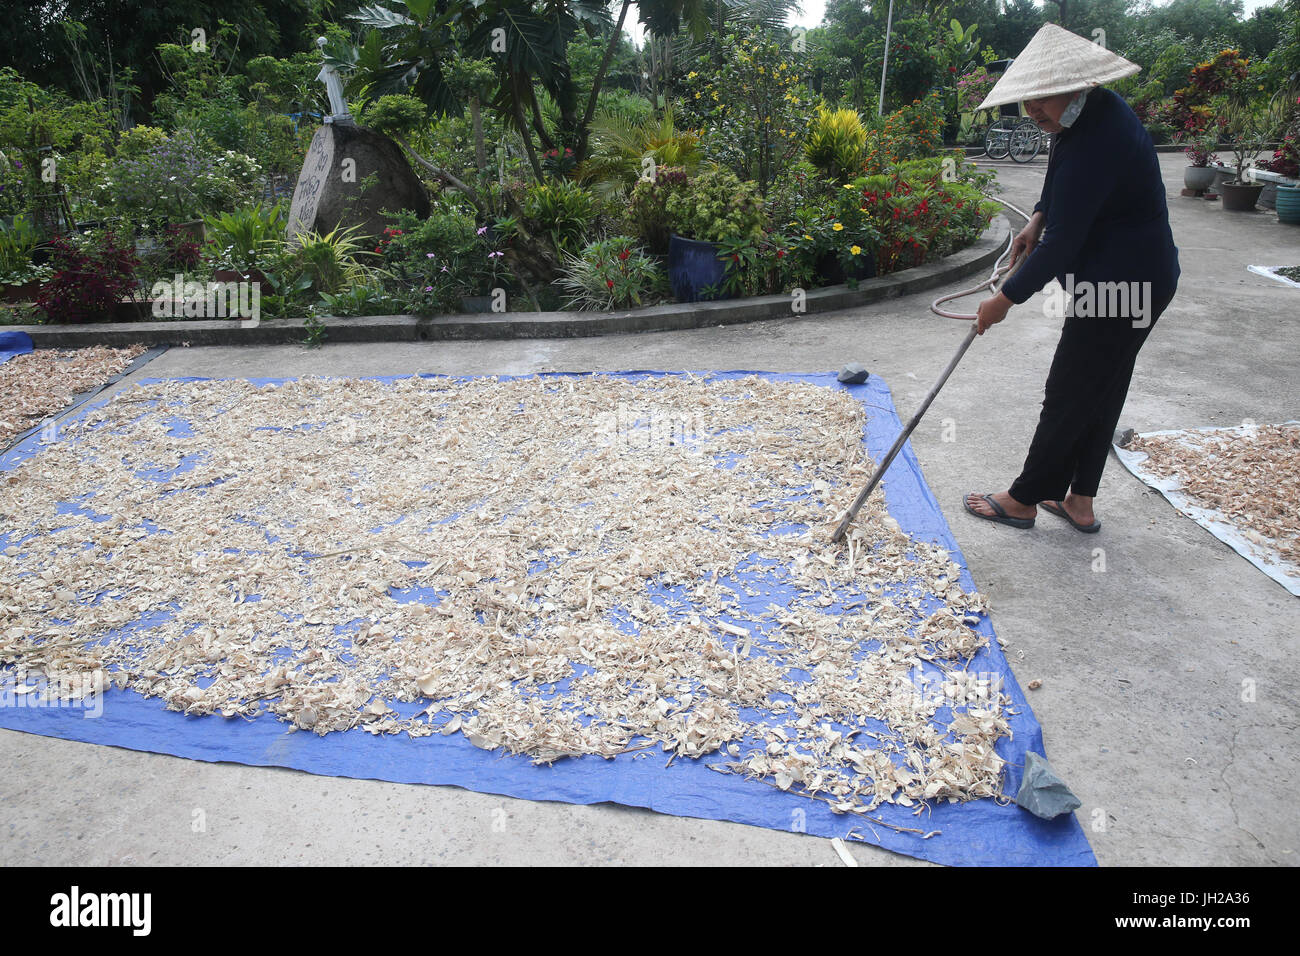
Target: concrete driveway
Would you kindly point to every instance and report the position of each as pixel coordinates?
(1144, 666)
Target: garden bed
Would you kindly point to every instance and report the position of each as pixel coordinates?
(972, 260)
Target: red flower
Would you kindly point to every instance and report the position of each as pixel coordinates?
(624, 254)
(780, 253)
(610, 283)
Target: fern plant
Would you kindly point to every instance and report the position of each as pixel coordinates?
(624, 152)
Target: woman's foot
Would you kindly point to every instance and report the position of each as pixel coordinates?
(1001, 508)
(1076, 509)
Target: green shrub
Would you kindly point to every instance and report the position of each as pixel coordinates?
(16, 245)
(612, 274)
(560, 210)
(647, 207)
(239, 239)
(835, 144)
(716, 206)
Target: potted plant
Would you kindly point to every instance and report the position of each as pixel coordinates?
(1248, 123)
(1198, 174)
(715, 206)
(20, 277)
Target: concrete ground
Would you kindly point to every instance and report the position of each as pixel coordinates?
(1168, 696)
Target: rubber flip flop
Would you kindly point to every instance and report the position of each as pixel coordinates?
(1060, 512)
(1001, 517)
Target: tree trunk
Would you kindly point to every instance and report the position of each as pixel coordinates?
(580, 152)
(444, 177)
(480, 149)
(524, 132)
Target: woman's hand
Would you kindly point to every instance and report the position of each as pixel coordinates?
(992, 311)
(1026, 239)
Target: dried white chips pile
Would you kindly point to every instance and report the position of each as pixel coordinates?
(554, 566)
(1250, 475)
(38, 383)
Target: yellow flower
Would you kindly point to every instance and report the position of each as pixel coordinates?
(808, 237)
(692, 75)
(848, 185)
(838, 227)
(856, 250)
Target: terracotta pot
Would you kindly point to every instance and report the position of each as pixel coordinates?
(1240, 197)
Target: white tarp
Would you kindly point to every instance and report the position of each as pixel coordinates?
(1271, 273)
(1263, 556)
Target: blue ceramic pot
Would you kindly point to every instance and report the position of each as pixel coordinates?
(1288, 204)
(693, 267)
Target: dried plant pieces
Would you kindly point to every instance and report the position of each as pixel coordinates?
(557, 567)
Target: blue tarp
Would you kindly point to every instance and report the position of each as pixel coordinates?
(14, 343)
(974, 833)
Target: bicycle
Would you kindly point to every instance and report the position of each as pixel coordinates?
(1021, 139)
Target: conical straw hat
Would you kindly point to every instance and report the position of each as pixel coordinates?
(1057, 61)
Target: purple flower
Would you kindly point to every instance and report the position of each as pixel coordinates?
(428, 288)
(493, 255)
(428, 255)
(482, 229)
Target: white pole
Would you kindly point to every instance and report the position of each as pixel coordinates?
(884, 68)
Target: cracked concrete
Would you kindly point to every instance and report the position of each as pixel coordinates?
(1145, 704)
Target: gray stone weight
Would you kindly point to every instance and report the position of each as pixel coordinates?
(329, 190)
(853, 374)
(1042, 792)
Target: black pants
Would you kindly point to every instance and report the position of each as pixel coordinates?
(1084, 396)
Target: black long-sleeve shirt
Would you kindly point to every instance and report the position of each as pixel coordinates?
(1104, 199)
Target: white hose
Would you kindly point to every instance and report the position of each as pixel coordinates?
(999, 273)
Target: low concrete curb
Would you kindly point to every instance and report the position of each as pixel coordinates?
(975, 259)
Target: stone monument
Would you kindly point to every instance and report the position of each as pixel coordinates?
(351, 175)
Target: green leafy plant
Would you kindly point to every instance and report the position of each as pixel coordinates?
(647, 206)
(625, 154)
(611, 274)
(836, 142)
(716, 206)
(16, 245)
(362, 299)
(561, 210)
(239, 239)
(329, 259)
(751, 106)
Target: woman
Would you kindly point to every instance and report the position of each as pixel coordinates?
(1101, 228)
